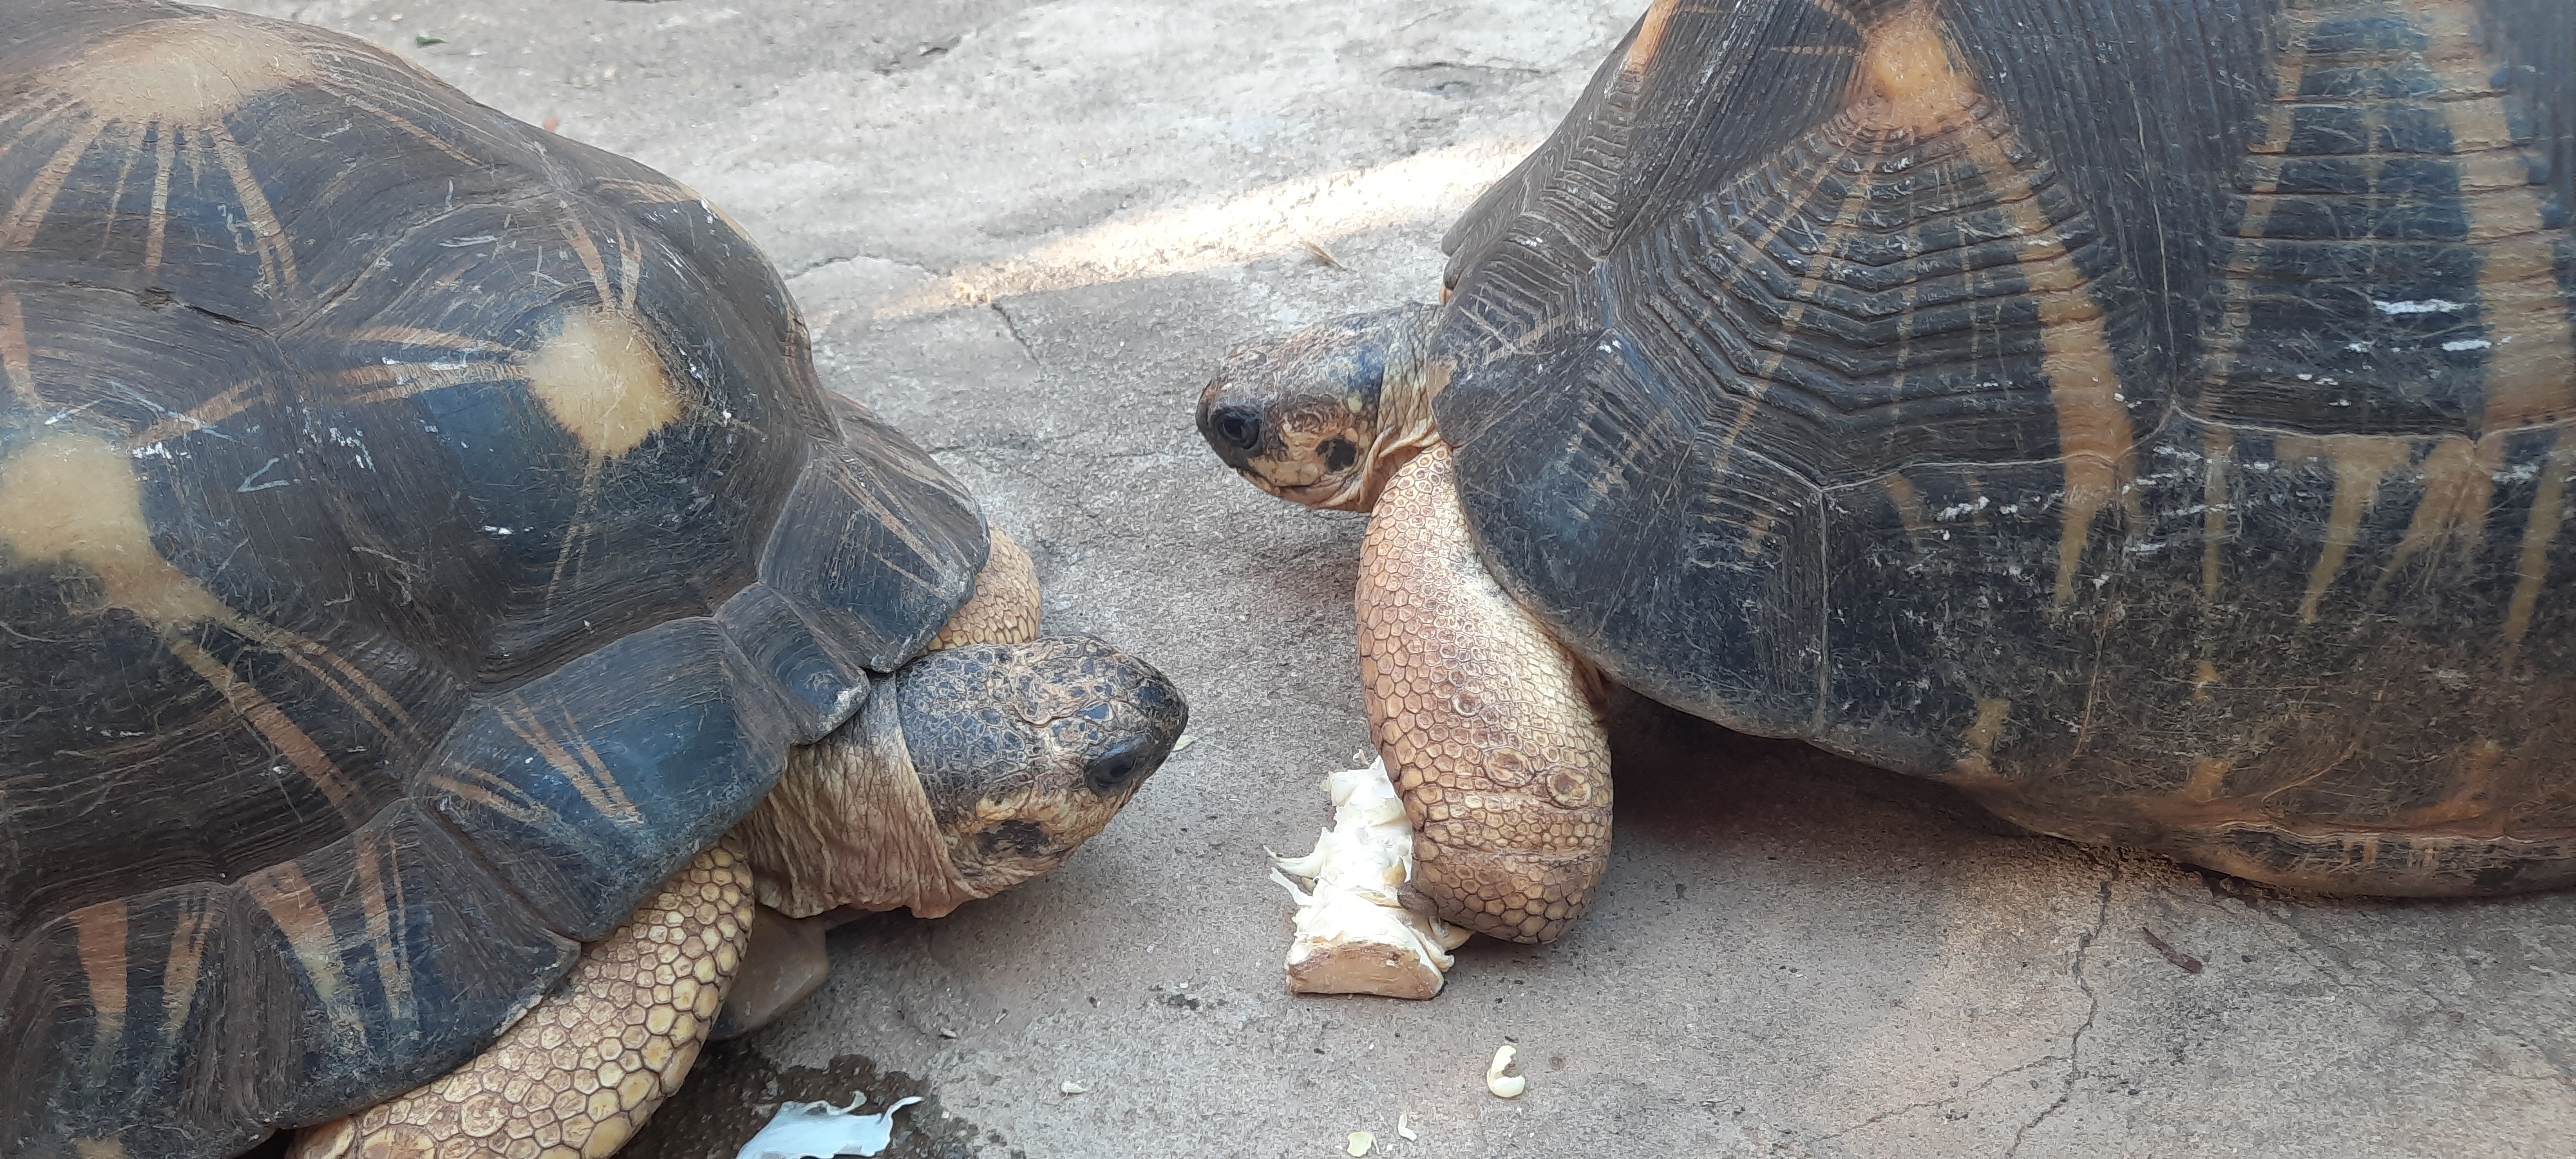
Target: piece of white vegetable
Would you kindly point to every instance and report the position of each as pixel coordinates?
(1071, 1087)
(1353, 936)
(1361, 1141)
(1403, 1130)
(822, 1131)
(1504, 1086)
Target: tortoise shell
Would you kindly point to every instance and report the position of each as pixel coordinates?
(419, 535)
(2150, 417)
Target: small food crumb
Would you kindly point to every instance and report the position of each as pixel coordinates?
(1071, 1087)
(1402, 1130)
(1361, 1141)
(1187, 739)
(1504, 1086)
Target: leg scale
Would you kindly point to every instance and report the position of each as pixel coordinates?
(581, 1071)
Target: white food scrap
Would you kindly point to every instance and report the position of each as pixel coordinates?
(1504, 1086)
(1360, 1142)
(1353, 936)
(1402, 1129)
(1071, 1087)
(822, 1131)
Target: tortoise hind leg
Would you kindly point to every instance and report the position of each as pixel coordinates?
(578, 1073)
(1484, 720)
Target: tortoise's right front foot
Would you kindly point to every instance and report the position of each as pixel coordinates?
(1483, 719)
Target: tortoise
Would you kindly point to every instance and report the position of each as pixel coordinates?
(2151, 419)
(443, 616)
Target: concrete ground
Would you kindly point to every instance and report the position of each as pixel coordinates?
(1025, 232)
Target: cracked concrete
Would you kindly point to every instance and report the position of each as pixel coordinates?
(2074, 1057)
(1025, 232)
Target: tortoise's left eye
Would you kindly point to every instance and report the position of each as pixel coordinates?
(1112, 770)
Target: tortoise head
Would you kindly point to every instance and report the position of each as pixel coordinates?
(968, 771)
(1324, 416)
(1027, 750)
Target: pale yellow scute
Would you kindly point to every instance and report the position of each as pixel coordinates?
(1650, 37)
(563, 1080)
(2540, 530)
(1981, 737)
(2208, 778)
(14, 352)
(188, 71)
(2201, 679)
(286, 895)
(1906, 64)
(603, 381)
(2220, 449)
(2359, 463)
(2459, 484)
(102, 930)
(73, 498)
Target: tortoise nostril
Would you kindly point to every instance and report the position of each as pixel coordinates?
(1237, 426)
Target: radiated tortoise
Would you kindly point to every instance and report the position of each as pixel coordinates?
(438, 600)
(2151, 417)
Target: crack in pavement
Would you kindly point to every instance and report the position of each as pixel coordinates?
(1013, 325)
(856, 255)
(2093, 1008)
(1971, 1092)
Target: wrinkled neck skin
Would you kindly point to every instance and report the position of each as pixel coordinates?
(848, 825)
(1404, 424)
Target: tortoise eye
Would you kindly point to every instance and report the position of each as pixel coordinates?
(1238, 427)
(1112, 770)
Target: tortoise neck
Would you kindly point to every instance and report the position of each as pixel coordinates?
(849, 824)
(1405, 426)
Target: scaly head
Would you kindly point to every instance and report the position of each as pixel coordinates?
(1027, 750)
(1324, 416)
(969, 770)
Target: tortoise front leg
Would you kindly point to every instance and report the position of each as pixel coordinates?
(577, 1074)
(1484, 721)
(1004, 608)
